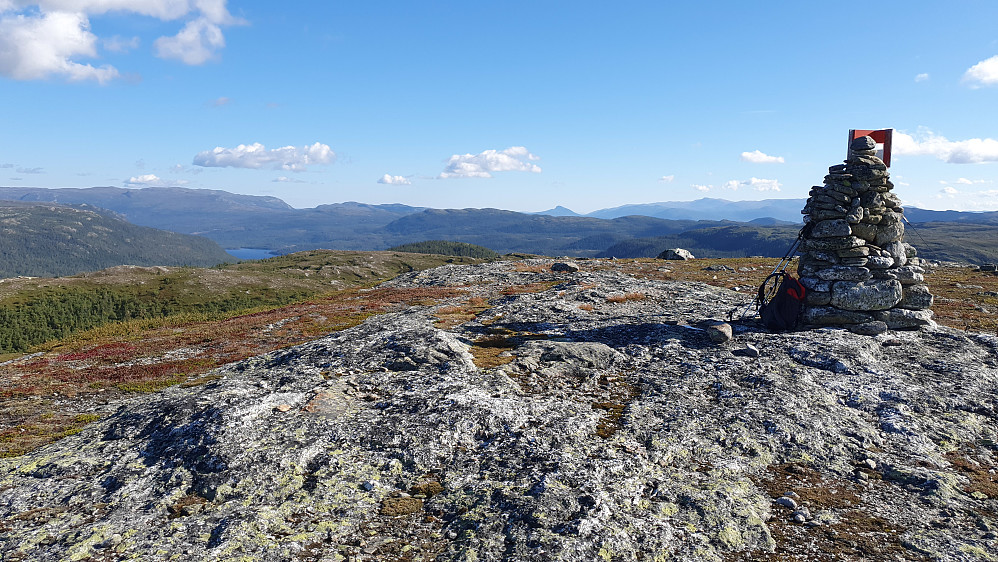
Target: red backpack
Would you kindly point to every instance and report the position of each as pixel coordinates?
(780, 301)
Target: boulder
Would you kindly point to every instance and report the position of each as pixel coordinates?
(868, 295)
(676, 254)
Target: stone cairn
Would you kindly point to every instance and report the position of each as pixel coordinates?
(857, 271)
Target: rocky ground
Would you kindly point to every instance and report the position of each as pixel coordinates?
(539, 416)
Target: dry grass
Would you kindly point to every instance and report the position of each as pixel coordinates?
(856, 535)
(451, 316)
(625, 297)
(110, 362)
(532, 267)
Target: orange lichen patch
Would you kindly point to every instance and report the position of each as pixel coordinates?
(587, 307)
(190, 504)
(979, 471)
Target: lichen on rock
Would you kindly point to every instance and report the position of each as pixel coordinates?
(621, 432)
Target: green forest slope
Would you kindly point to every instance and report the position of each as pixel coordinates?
(45, 240)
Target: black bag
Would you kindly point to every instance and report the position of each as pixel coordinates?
(781, 297)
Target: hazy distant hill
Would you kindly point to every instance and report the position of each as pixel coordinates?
(508, 231)
(243, 221)
(44, 240)
(711, 209)
(232, 220)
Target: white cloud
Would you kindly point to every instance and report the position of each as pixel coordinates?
(255, 156)
(955, 152)
(220, 102)
(195, 44)
(757, 184)
(922, 77)
(759, 157)
(984, 73)
(481, 165)
(394, 180)
(46, 38)
(30, 171)
(118, 44)
(286, 179)
(666, 179)
(152, 180)
(949, 190)
(33, 47)
(965, 181)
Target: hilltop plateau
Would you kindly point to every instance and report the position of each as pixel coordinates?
(503, 411)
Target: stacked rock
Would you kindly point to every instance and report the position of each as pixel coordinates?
(858, 272)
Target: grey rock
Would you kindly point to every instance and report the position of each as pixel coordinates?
(676, 254)
(916, 297)
(844, 273)
(904, 319)
(817, 298)
(831, 228)
(831, 316)
(719, 332)
(898, 252)
(608, 432)
(869, 328)
(887, 233)
(833, 243)
(857, 252)
(868, 295)
(879, 262)
(567, 267)
(787, 502)
(865, 231)
(863, 143)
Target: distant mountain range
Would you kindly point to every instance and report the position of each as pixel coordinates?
(46, 240)
(708, 227)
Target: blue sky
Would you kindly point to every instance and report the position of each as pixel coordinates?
(516, 105)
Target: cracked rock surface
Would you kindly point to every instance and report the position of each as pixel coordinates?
(587, 416)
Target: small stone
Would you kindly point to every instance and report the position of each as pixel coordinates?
(719, 332)
(870, 463)
(565, 266)
(748, 351)
(863, 143)
(799, 517)
(787, 502)
(282, 408)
